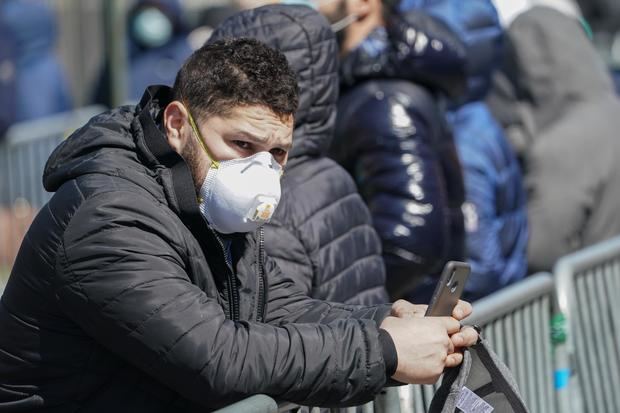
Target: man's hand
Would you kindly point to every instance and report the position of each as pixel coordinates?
(423, 347)
(458, 339)
(404, 309)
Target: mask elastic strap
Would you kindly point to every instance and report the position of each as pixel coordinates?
(344, 23)
(214, 164)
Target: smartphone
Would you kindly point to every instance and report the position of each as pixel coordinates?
(449, 289)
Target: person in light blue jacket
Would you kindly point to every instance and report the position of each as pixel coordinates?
(495, 210)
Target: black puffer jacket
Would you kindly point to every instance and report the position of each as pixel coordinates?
(121, 299)
(322, 232)
(392, 136)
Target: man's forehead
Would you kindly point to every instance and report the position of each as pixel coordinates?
(260, 122)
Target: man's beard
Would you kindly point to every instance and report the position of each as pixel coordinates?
(191, 155)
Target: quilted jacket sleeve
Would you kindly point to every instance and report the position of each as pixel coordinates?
(121, 277)
(288, 304)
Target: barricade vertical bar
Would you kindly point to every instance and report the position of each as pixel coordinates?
(537, 358)
(418, 399)
(498, 339)
(428, 393)
(612, 282)
(613, 287)
(519, 367)
(32, 188)
(407, 401)
(611, 335)
(367, 408)
(590, 383)
(609, 357)
(510, 346)
(595, 329)
(530, 365)
(580, 336)
(583, 297)
(544, 368)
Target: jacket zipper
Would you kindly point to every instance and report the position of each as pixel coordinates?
(262, 295)
(233, 294)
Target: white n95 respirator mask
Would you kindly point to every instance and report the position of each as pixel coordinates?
(239, 195)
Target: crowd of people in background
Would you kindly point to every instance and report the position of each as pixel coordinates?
(473, 131)
(393, 136)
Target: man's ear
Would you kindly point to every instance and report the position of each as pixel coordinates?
(176, 126)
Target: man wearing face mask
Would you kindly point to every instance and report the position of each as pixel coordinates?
(321, 235)
(143, 286)
(396, 71)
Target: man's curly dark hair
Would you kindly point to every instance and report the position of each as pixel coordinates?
(236, 72)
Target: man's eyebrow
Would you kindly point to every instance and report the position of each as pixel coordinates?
(259, 139)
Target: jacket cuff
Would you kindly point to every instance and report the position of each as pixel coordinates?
(390, 356)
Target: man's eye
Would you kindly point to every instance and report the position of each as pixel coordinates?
(243, 145)
(277, 152)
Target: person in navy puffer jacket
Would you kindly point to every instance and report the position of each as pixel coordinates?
(495, 212)
(391, 135)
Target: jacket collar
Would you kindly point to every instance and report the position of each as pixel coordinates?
(175, 175)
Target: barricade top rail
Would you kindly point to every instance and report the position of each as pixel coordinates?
(510, 298)
(65, 122)
(570, 265)
(258, 403)
(586, 285)
(585, 258)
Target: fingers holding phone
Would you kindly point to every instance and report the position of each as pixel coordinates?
(405, 309)
(426, 345)
(446, 302)
(462, 310)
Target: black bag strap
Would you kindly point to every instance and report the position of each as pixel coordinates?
(498, 379)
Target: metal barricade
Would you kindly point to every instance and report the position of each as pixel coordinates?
(255, 404)
(516, 323)
(387, 401)
(23, 153)
(587, 285)
(416, 398)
